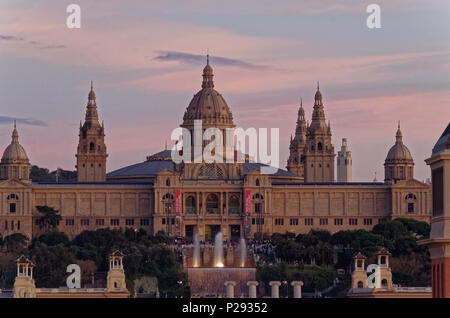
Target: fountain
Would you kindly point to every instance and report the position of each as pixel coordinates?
(208, 267)
(196, 252)
(218, 250)
(242, 252)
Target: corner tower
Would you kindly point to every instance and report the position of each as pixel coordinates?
(91, 153)
(296, 159)
(319, 151)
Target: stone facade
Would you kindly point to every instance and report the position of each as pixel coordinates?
(204, 198)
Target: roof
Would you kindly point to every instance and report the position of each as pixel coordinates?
(146, 168)
(159, 162)
(329, 183)
(74, 183)
(252, 166)
(443, 141)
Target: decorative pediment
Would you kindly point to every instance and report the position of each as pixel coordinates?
(14, 183)
(410, 183)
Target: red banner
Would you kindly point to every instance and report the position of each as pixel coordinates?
(178, 202)
(247, 201)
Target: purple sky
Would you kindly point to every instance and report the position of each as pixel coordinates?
(145, 58)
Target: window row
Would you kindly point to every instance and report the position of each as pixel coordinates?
(101, 222)
(12, 225)
(324, 221)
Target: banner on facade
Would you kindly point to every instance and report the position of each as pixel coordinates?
(178, 202)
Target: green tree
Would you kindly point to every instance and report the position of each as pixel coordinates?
(49, 219)
(15, 242)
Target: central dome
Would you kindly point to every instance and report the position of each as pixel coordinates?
(208, 105)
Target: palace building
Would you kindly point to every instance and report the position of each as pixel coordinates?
(205, 198)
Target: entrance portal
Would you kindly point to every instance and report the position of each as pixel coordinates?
(189, 232)
(235, 232)
(211, 231)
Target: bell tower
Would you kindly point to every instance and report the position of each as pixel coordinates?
(296, 159)
(344, 163)
(91, 153)
(319, 151)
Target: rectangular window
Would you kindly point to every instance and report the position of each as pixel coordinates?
(338, 221)
(173, 221)
(353, 221)
(6, 225)
(18, 225)
(84, 222)
(294, 221)
(410, 207)
(70, 222)
(100, 222)
(129, 222)
(367, 221)
(12, 208)
(279, 221)
(145, 222)
(12, 225)
(163, 221)
(309, 221)
(323, 221)
(381, 220)
(115, 222)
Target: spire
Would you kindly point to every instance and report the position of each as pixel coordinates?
(91, 97)
(301, 111)
(399, 135)
(15, 134)
(208, 75)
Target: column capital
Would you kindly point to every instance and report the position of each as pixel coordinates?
(252, 283)
(297, 283)
(230, 283)
(275, 283)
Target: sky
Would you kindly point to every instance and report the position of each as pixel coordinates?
(146, 59)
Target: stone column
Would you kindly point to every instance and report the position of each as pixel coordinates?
(275, 284)
(297, 288)
(230, 288)
(252, 288)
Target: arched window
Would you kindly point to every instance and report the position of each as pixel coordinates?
(190, 204)
(319, 146)
(360, 284)
(91, 147)
(383, 260)
(168, 182)
(233, 204)
(384, 283)
(257, 183)
(168, 196)
(212, 203)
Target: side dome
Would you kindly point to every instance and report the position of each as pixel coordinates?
(399, 153)
(14, 153)
(208, 105)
